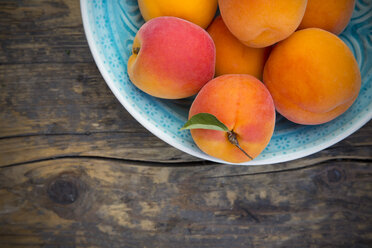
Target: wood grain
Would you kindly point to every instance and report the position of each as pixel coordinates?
(99, 203)
(76, 170)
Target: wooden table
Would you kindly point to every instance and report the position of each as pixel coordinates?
(76, 170)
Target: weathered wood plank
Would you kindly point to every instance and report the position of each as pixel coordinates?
(42, 32)
(48, 112)
(56, 98)
(135, 146)
(100, 203)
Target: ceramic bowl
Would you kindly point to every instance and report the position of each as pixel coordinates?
(110, 27)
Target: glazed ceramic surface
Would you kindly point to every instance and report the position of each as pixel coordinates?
(110, 27)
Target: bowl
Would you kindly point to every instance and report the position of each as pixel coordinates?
(110, 27)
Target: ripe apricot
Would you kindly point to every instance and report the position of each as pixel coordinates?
(245, 106)
(200, 12)
(172, 58)
(232, 56)
(261, 23)
(330, 15)
(312, 76)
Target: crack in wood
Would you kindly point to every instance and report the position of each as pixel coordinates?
(86, 133)
(134, 162)
(187, 164)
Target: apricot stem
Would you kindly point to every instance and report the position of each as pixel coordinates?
(136, 50)
(233, 140)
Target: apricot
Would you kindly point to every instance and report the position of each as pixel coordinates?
(172, 58)
(232, 56)
(312, 76)
(261, 23)
(330, 15)
(245, 106)
(200, 12)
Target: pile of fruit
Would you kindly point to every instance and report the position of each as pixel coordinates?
(255, 58)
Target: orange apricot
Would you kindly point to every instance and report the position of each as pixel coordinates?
(261, 23)
(330, 15)
(232, 56)
(312, 76)
(200, 12)
(245, 106)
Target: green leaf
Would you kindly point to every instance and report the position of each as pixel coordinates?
(205, 121)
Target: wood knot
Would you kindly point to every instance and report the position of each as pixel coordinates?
(334, 175)
(63, 191)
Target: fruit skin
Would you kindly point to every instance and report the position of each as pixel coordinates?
(232, 56)
(176, 58)
(245, 106)
(330, 15)
(312, 76)
(261, 23)
(200, 12)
